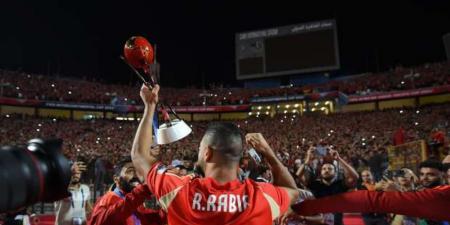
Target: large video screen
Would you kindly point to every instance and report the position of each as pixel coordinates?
(295, 49)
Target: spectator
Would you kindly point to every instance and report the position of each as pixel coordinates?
(74, 210)
(328, 183)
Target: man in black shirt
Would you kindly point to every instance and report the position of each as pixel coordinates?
(328, 183)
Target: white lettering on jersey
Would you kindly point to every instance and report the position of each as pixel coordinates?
(210, 206)
(239, 203)
(222, 203)
(230, 203)
(196, 201)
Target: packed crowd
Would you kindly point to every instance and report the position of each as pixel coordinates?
(357, 136)
(32, 86)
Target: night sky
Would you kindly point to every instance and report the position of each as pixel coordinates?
(196, 38)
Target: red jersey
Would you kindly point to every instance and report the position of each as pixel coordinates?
(194, 200)
(118, 209)
(429, 203)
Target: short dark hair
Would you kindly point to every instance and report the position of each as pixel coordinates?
(118, 167)
(224, 138)
(431, 163)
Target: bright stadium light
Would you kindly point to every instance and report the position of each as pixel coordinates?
(316, 104)
(287, 106)
(296, 105)
(249, 113)
(259, 107)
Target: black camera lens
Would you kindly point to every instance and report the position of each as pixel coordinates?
(32, 173)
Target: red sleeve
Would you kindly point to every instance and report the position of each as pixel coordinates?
(115, 212)
(161, 183)
(430, 203)
(278, 194)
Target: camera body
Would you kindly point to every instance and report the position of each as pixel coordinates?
(33, 173)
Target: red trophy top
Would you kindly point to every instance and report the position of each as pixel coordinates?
(138, 52)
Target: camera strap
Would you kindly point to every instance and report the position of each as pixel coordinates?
(82, 199)
(136, 220)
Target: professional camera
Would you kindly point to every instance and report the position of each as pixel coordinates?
(33, 173)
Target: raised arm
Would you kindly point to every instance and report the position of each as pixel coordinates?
(281, 176)
(140, 152)
(430, 203)
(351, 176)
(300, 173)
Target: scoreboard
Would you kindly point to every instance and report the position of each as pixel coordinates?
(294, 49)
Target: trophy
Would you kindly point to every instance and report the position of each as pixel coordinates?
(140, 56)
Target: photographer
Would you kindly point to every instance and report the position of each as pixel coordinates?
(328, 183)
(74, 210)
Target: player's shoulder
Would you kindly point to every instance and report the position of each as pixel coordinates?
(109, 198)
